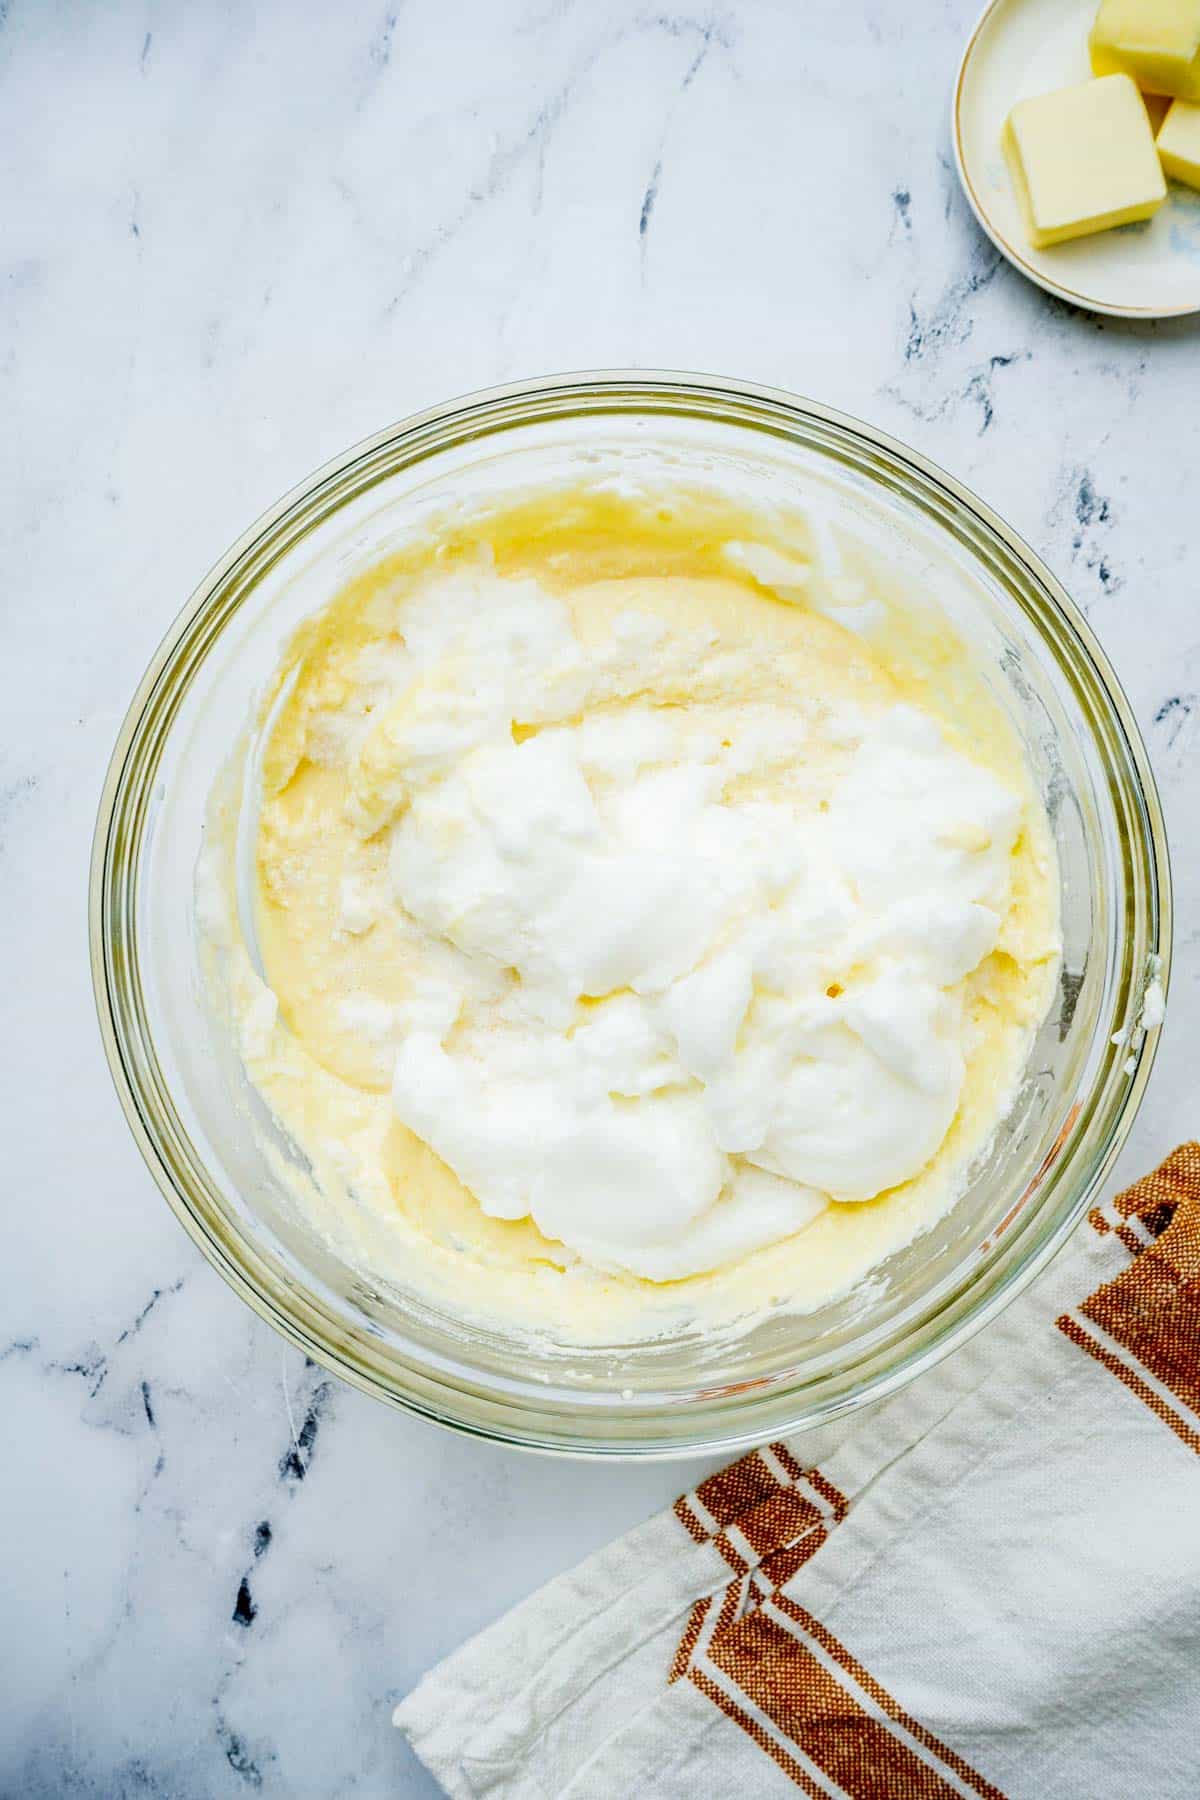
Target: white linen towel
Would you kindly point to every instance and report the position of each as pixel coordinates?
(991, 1587)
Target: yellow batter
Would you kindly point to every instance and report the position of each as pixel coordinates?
(332, 796)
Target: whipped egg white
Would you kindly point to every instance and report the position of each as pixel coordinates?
(627, 918)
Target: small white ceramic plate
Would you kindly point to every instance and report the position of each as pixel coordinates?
(1024, 47)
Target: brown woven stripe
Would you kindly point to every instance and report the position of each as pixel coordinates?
(734, 1490)
(729, 1550)
(781, 1565)
(762, 1738)
(1072, 1329)
(689, 1521)
(808, 1703)
(1132, 1242)
(786, 1460)
(1152, 1308)
(780, 1519)
(833, 1496)
(1175, 1179)
(748, 1496)
(883, 1699)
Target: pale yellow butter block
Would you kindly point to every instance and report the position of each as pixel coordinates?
(1082, 160)
(1157, 42)
(1179, 143)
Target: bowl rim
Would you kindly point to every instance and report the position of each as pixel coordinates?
(295, 1316)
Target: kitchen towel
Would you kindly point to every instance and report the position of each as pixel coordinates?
(990, 1587)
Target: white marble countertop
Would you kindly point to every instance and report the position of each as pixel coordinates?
(234, 240)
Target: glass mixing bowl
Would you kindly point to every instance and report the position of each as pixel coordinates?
(187, 1105)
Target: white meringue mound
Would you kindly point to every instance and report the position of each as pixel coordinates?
(696, 969)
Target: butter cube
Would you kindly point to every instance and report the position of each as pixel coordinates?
(1157, 42)
(1083, 159)
(1179, 143)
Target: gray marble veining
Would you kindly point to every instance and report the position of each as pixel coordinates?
(233, 241)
